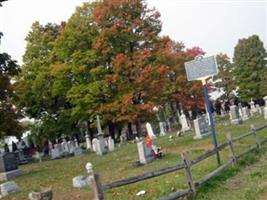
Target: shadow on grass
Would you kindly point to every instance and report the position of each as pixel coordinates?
(218, 182)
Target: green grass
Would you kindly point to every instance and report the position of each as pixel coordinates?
(58, 174)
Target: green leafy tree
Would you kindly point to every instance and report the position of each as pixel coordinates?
(76, 70)
(9, 114)
(250, 67)
(34, 82)
(224, 79)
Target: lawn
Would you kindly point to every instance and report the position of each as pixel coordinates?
(58, 174)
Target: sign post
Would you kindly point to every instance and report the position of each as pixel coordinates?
(201, 69)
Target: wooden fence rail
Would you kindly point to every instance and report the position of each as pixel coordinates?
(144, 176)
(188, 163)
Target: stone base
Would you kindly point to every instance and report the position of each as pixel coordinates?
(198, 137)
(45, 194)
(4, 176)
(244, 118)
(236, 121)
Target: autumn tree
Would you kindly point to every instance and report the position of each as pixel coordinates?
(9, 114)
(250, 67)
(126, 43)
(189, 94)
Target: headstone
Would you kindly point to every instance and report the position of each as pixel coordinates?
(265, 108)
(58, 147)
(99, 129)
(50, 145)
(245, 113)
(77, 151)
(111, 146)
(106, 142)
(234, 115)
(8, 162)
(201, 128)
(8, 188)
(190, 114)
(55, 153)
(79, 181)
(100, 144)
(94, 141)
(184, 123)
(161, 128)
(253, 109)
(71, 147)
(122, 139)
(65, 147)
(88, 142)
(240, 110)
(150, 131)
(76, 142)
(146, 154)
(258, 109)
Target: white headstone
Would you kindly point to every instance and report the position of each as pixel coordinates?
(50, 145)
(65, 147)
(184, 123)
(265, 108)
(8, 188)
(59, 148)
(76, 142)
(55, 153)
(99, 146)
(258, 109)
(150, 131)
(98, 125)
(240, 111)
(88, 142)
(245, 113)
(94, 144)
(145, 154)
(122, 139)
(111, 146)
(161, 127)
(71, 147)
(253, 109)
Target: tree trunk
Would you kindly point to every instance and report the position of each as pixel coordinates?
(119, 129)
(138, 128)
(130, 131)
(111, 129)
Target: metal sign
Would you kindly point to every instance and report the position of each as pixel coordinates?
(200, 68)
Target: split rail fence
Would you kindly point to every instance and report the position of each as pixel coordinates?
(186, 164)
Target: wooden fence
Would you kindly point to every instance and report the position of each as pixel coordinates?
(186, 165)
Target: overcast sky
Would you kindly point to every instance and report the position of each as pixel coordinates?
(215, 26)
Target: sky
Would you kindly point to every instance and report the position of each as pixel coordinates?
(215, 26)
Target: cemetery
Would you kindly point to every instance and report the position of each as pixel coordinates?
(107, 104)
(58, 174)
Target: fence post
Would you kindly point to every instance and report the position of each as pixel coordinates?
(231, 147)
(94, 182)
(253, 129)
(188, 172)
